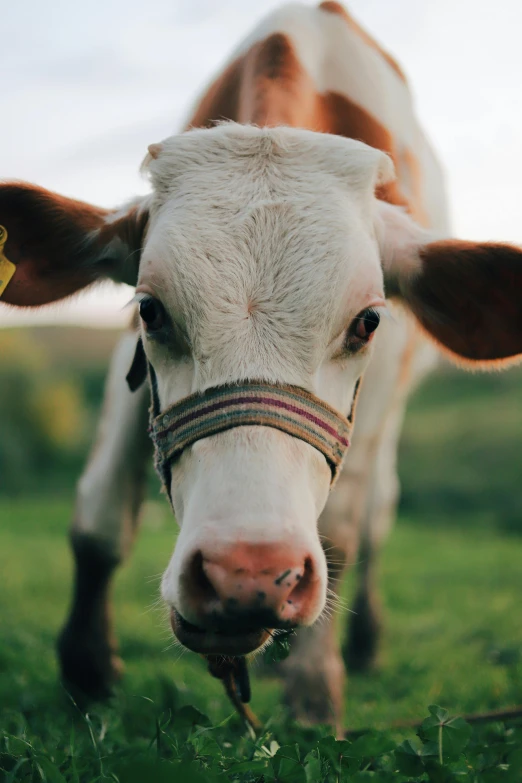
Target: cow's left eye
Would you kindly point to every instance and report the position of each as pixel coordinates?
(361, 329)
(152, 313)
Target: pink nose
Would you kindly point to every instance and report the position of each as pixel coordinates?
(251, 586)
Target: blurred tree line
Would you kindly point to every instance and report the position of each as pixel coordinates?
(50, 394)
(459, 459)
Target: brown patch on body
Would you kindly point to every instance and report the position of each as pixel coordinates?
(221, 100)
(276, 89)
(332, 7)
(268, 86)
(345, 118)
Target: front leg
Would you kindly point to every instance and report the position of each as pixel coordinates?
(315, 676)
(109, 497)
(314, 671)
(87, 646)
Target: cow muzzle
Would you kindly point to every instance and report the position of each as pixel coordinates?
(231, 603)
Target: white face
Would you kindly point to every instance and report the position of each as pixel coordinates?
(260, 256)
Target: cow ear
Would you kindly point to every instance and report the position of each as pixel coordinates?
(466, 295)
(59, 245)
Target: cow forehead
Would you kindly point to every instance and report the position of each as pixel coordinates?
(258, 240)
(262, 160)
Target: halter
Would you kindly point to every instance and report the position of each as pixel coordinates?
(290, 409)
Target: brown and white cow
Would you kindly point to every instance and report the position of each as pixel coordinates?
(265, 253)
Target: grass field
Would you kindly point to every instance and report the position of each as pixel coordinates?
(451, 578)
(453, 637)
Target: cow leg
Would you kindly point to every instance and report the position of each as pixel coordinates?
(314, 672)
(413, 360)
(362, 641)
(356, 518)
(109, 496)
(314, 675)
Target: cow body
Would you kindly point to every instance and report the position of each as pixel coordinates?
(313, 68)
(261, 255)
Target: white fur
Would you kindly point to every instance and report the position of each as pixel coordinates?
(109, 492)
(262, 248)
(263, 244)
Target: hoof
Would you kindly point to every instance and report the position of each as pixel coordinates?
(362, 645)
(89, 666)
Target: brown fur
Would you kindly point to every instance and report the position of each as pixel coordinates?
(50, 235)
(268, 86)
(45, 234)
(221, 100)
(464, 298)
(346, 118)
(276, 90)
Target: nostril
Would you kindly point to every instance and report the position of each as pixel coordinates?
(199, 585)
(249, 586)
(303, 581)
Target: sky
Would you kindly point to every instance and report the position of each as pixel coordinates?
(88, 85)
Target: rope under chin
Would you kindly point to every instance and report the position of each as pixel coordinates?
(233, 673)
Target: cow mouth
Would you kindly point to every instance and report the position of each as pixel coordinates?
(212, 642)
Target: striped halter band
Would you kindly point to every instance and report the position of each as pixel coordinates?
(287, 408)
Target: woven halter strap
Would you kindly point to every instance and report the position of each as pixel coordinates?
(287, 408)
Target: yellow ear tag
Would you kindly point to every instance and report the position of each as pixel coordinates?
(7, 269)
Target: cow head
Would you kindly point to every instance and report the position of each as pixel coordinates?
(262, 254)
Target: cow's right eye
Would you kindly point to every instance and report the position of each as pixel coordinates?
(152, 313)
(362, 330)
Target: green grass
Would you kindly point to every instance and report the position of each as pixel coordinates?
(460, 451)
(453, 637)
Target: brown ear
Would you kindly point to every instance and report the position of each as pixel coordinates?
(60, 246)
(468, 296)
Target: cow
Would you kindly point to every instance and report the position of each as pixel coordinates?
(294, 270)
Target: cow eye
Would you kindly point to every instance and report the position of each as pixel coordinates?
(152, 313)
(361, 329)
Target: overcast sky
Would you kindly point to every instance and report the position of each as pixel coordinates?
(88, 85)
